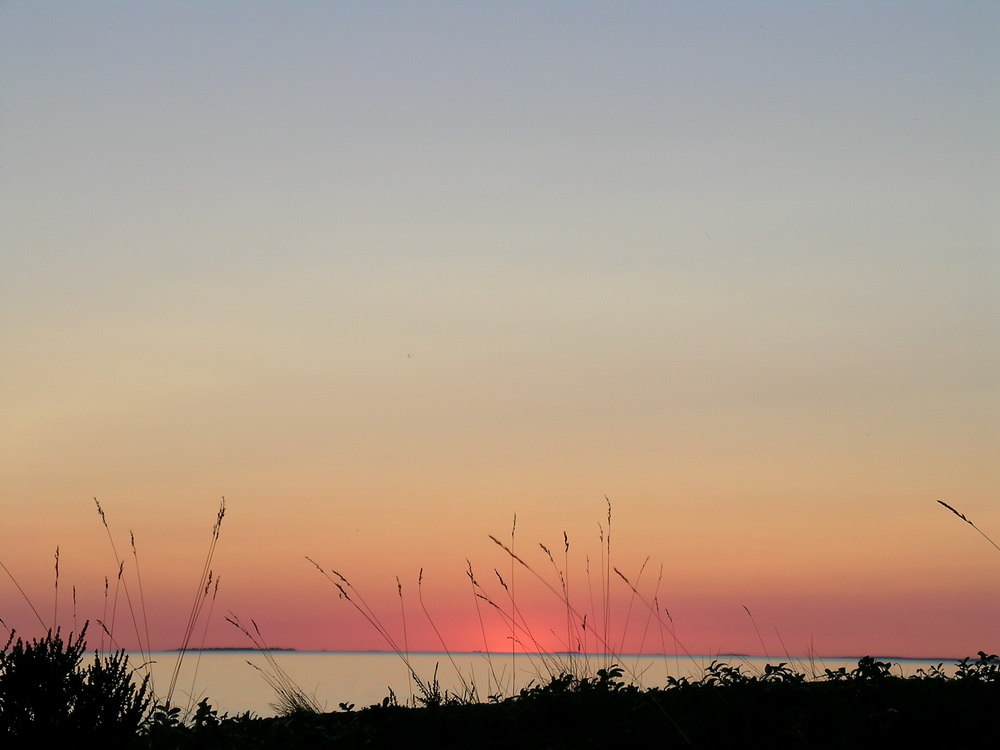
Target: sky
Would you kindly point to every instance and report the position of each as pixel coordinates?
(387, 276)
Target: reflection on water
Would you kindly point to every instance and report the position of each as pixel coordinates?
(233, 685)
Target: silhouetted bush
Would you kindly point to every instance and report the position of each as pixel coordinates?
(48, 694)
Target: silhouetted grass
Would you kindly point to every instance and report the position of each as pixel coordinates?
(49, 694)
(594, 634)
(47, 691)
(860, 708)
(290, 698)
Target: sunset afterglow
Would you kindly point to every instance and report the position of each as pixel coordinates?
(703, 294)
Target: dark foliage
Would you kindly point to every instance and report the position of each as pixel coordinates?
(779, 708)
(48, 694)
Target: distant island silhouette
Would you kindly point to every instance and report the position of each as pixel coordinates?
(234, 648)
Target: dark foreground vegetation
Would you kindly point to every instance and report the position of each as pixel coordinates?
(51, 692)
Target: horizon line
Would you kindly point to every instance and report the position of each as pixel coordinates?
(544, 654)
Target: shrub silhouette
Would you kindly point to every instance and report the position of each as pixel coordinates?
(48, 694)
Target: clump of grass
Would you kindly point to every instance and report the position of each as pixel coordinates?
(291, 699)
(108, 665)
(141, 636)
(468, 689)
(608, 638)
(592, 638)
(200, 598)
(429, 690)
(205, 593)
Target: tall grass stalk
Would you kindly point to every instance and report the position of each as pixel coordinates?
(571, 631)
(610, 652)
(55, 606)
(142, 595)
(406, 640)
(504, 615)
(516, 620)
(356, 600)
(429, 689)
(510, 593)
(492, 679)
(201, 594)
(631, 601)
(593, 608)
(468, 692)
(963, 517)
(672, 629)
(104, 612)
(204, 633)
(649, 617)
(649, 614)
(607, 580)
(122, 582)
(24, 595)
(561, 574)
(757, 631)
(667, 625)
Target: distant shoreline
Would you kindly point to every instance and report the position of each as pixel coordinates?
(783, 657)
(230, 648)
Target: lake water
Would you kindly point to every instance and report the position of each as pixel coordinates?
(237, 681)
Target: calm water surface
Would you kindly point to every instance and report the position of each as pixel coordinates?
(235, 681)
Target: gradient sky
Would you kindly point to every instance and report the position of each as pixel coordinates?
(386, 274)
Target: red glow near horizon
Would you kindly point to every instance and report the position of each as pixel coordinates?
(443, 612)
